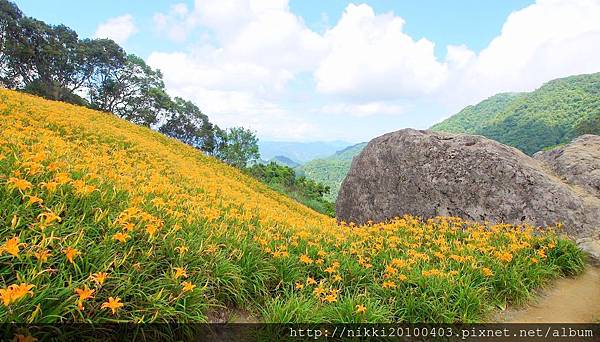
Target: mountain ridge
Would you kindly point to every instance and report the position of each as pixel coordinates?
(553, 114)
(300, 152)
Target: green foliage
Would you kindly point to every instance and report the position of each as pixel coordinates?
(554, 114)
(239, 146)
(589, 125)
(186, 123)
(331, 171)
(284, 179)
(134, 92)
(473, 118)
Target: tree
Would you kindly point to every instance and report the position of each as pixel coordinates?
(134, 92)
(100, 60)
(273, 173)
(589, 125)
(9, 18)
(43, 59)
(239, 147)
(51, 61)
(188, 124)
(284, 179)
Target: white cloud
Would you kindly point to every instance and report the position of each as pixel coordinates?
(363, 109)
(258, 47)
(459, 56)
(176, 24)
(231, 108)
(544, 41)
(118, 29)
(260, 32)
(210, 68)
(371, 57)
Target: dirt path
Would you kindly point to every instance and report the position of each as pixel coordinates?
(568, 300)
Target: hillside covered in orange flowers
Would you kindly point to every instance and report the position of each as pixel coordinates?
(103, 220)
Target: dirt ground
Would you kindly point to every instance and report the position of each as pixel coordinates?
(567, 300)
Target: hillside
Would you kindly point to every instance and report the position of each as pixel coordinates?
(331, 171)
(285, 161)
(473, 118)
(102, 220)
(553, 114)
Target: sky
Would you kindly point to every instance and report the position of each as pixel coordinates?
(314, 70)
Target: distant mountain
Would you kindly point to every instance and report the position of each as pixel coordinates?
(332, 170)
(285, 161)
(299, 151)
(553, 114)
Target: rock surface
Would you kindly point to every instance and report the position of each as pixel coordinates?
(429, 173)
(577, 163)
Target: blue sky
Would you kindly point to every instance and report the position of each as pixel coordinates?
(308, 70)
(470, 22)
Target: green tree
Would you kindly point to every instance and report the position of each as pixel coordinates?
(188, 124)
(97, 60)
(42, 59)
(284, 179)
(238, 146)
(9, 18)
(134, 92)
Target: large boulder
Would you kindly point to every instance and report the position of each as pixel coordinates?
(577, 163)
(427, 174)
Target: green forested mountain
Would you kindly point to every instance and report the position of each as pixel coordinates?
(473, 118)
(285, 161)
(332, 170)
(553, 114)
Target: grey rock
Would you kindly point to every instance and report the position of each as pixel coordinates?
(427, 174)
(577, 163)
(591, 247)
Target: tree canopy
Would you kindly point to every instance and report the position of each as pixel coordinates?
(284, 179)
(240, 147)
(331, 170)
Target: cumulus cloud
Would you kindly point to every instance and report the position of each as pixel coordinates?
(257, 47)
(364, 109)
(546, 40)
(371, 57)
(229, 108)
(118, 29)
(260, 32)
(177, 23)
(459, 56)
